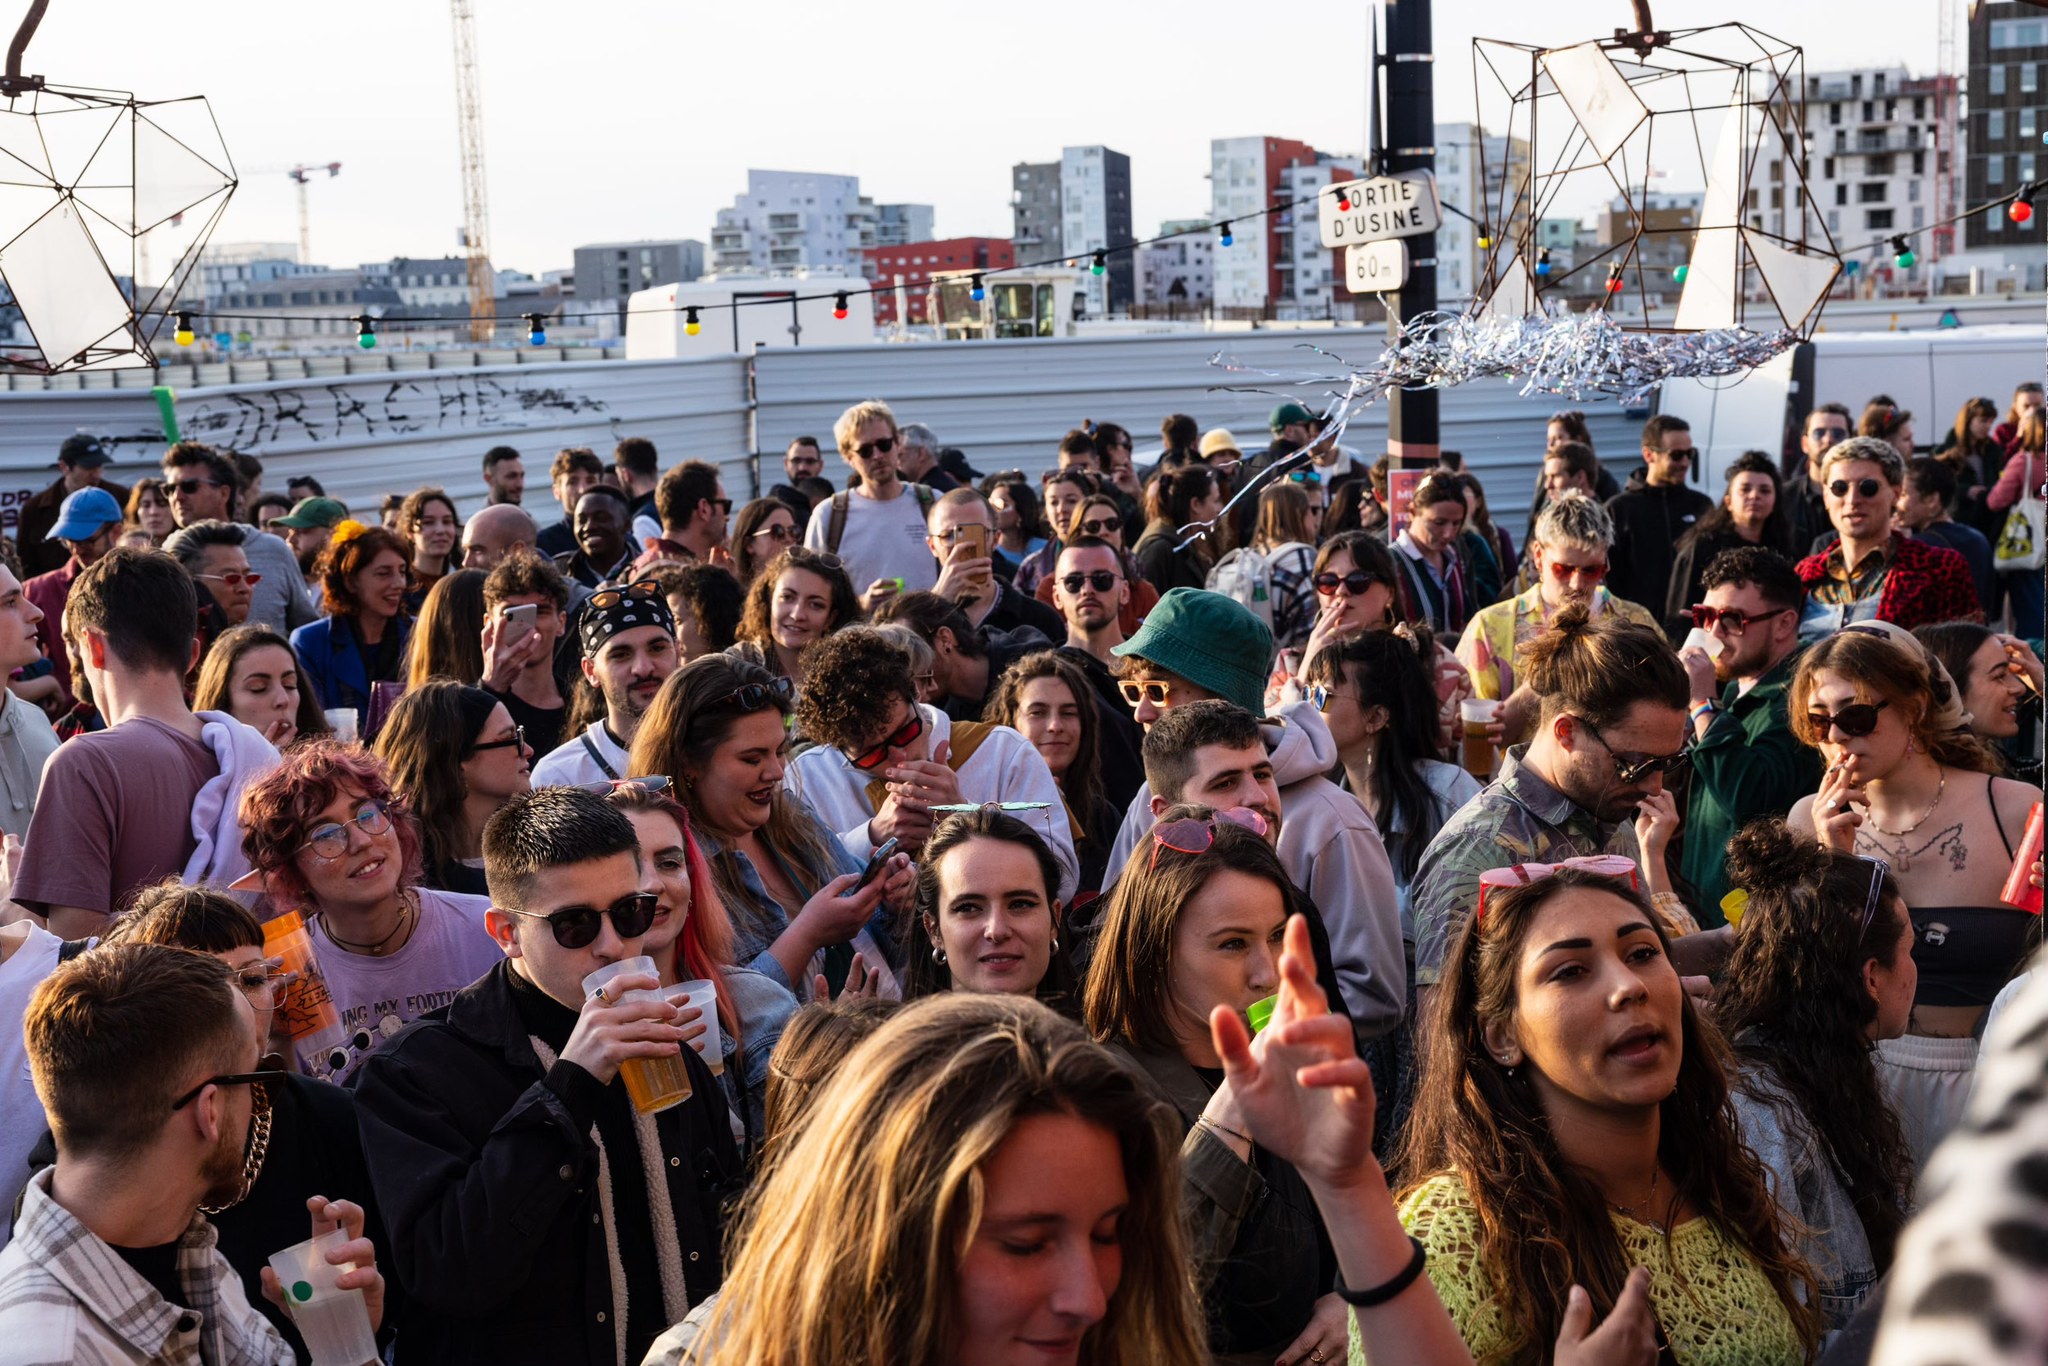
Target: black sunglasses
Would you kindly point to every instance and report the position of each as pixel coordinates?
(1097, 527)
(1632, 767)
(576, 927)
(1878, 870)
(724, 505)
(1853, 721)
(1101, 580)
(1865, 488)
(188, 487)
(873, 448)
(780, 693)
(259, 1082)
(1355, 583)
(518, 737)
(644, 590)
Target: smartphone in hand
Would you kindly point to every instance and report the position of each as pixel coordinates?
(875, 863)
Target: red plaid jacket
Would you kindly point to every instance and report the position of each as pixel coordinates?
(1923, 584)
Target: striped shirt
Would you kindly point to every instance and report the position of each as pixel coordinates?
(66, 1297)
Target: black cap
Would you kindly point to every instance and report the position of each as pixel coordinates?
(82, 449)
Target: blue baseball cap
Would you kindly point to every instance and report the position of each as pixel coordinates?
(84, 514)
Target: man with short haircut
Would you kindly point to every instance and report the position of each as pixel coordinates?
(877, 529)
(1434, 584)
(81, 462)
(1089, 590)
(212, 554)
(800, 462)
(1806, 511)
(535, 1215)
(972, 580)
(86, 527)
(522, 673)
(1077, 452)
(637, 467)
(1924, 506)
(1572, 790)
(309, 530)
(154, 795)
(494, 532)
(882, 760)
(707, 601)
(691, 504)
(1873, 573)
(1652, 511)
(1570, 467)
(629, 647)
(574, 470)
(920, 462)
(1199, 646)
(504, 476)
(1745, 760)
(26, 738)
(147, 1059)
(201, 485)
(603, 553)
(304, 486)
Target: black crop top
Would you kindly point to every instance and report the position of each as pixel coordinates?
(1966, 954)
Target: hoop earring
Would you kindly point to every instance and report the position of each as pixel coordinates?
(1055, 943)
(938, 955)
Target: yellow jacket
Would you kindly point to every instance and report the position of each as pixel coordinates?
(1497, 633)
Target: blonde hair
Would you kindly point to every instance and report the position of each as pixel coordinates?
(851, 1249)
(1573, 519)
(853, 419)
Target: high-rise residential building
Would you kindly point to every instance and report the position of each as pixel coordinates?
(1310, 272)
(1878, 162)
(1483, 175)
(914, 263)
(2008, 122)
(788, 221)
(612, 272)
(1244, 181)
(899, 225)
(1072, 208)
(1177, 275)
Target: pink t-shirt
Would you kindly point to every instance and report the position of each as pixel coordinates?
(114, 814)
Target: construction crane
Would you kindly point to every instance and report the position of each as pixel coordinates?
(475, 211)
(301, 175)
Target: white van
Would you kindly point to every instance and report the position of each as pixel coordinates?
(1930, 374)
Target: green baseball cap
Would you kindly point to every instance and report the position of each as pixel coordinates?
(1288, 413)
(1212, 641)
(312, 512)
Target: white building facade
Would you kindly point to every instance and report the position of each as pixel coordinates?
(1179, 273)
(790, 221)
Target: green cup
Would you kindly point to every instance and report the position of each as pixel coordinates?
(1259, 1013)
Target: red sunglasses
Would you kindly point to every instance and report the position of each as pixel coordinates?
(869, 759)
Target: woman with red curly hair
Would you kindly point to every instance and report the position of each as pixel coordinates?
(361, 641)
(326, 836)
(691, 940)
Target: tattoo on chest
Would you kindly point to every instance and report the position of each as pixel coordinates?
(1901, 851)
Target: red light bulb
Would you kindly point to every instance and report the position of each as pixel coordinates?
(2020, 211)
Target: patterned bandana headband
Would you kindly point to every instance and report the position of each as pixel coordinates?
(622, 607)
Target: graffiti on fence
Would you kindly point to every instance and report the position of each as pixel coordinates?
(396, 405)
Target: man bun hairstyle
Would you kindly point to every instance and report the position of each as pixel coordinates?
(1597, 670)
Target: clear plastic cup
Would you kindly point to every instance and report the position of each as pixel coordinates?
(343, 719)
(652, 1083)
(1706, 640)
(1477, 715)
(334, 1322)
(703, 994)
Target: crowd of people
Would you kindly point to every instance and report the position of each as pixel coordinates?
(1236, 909)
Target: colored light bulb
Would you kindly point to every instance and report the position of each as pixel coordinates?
(2020, 210)
(977, 292)
(691, 327)
(536, 330)
(839, 304)
(366, 332)
(1101, 263)
(1543, 262)
(183, 336)
(1902, 253)
(1228, 239)
(1678, 274)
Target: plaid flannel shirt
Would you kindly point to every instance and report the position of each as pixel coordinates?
(65, 1297)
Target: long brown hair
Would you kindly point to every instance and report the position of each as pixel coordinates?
(1283, 517)
(1964, 447)
(447, 640)
(1880, 669)
(924, 975)
(1794, 1002)
(1545, 1225)
(217, 675)
(1079, 787)
(430, 733)
(755, 615)
(852, 1248)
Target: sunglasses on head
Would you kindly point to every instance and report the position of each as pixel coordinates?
(1101, 526)
(1195, 834)
(1148, 690)
(905, 734)
(1101, 580)
(869, 449)
(805, 557)
(1616, 866)
(1737, 620)
(1865, 488)
(652, 782)
(1878, 870)
(1355, 583)
(1632, 767)
(576, 927)
(1851, 722)
(643, 590)
(779, 693)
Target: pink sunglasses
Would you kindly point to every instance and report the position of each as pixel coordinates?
(1522, 874)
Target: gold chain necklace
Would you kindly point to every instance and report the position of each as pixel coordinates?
(1630, 1210)
(1904, 860)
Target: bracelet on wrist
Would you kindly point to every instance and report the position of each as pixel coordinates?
(1380, 1294)
(1207, 1122)
(1710, 707)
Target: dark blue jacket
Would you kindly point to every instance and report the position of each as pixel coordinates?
(334, 662)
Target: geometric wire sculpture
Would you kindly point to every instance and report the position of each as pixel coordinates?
(86, 177)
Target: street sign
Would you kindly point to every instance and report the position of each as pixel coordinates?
(1375, 267)
(1399, 205)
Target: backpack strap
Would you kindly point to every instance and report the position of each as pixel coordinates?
(835, 521)
(597, 758)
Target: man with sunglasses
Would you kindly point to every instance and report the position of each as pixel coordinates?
(1806, 511)
(201, 484)
(692, 508)
(1745, 760)
(877, 528)
(535, 1216)
(1652, 511)
(628, 632)
(961, 522)
(147, 1059)
(1874, 572)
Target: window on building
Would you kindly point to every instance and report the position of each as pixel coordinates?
(1997, 79)
(1827, 168)
(1913, 191)
(1994, 170)
(1841, 194)
(1877, 220)
(2028, 121)
(1878, 165)
(1877, 84)
(1870, 192)
(2007, 33)
(1919, 163)
(2026, 168)
(1891, 110)
(1835, 112)
(1919, 107)
(1994, 126)
(2030, 78)
(1993, 222)
(1870, 111)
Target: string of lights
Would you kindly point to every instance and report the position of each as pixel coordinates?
(2019, 206)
